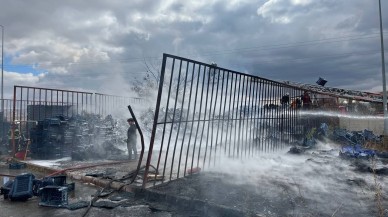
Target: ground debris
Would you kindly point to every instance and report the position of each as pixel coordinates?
(106, 204)
(78, 205)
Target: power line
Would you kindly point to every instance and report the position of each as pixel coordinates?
(323, 57)
(288, 45)
(210, 53)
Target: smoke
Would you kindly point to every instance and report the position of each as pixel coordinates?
(319, 179)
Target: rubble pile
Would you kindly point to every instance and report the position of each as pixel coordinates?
(352, 142)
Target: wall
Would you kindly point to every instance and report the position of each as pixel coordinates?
(357, 124)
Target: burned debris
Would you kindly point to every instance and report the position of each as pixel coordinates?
(51, 190)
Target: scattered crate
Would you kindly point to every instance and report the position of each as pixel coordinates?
(52, 181)
(6, 189)
(17, 165)
(22, 187)
(54, 196)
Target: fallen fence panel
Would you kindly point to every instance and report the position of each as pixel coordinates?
(204, 113)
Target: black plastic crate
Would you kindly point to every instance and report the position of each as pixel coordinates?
(16, 166)
(59, 180)
(55, 196)
(54, 180)
(70, 187)
(6, 189)
(22, 187)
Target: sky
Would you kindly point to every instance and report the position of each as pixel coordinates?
(104, 46)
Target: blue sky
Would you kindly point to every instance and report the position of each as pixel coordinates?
(20, 68)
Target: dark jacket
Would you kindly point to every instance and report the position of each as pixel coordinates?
(131, 133)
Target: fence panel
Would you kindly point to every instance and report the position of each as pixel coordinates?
(204, 112)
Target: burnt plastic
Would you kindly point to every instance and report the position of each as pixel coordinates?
(6, 189)
(22, 187)
(54, 196)
(52, 181)
(16, 166)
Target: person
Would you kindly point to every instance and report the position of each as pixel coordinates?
(306, 100)
(285, 100)
(16, 137)
(131, 139)
(296, 103)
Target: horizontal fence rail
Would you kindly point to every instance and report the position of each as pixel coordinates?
(204, 112)
(106, 104)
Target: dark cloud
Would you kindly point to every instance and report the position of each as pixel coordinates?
(96, 45)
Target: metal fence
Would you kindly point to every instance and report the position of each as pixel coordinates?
(5, 120)
(106, 104)
(35, 104)
(204, 112)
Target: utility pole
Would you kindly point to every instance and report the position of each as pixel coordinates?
(2, 72)
(384, 81)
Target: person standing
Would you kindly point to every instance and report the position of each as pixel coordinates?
(285, 100)
(131, 139)
(306, 100)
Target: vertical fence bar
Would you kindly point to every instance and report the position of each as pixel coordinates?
(187, 118)
(165, 117)
(223, 114)
(220, 118)
(173, 116)
(157, 109)
(199, 117)
(216, 72)
(180, 116)
(211, 74)
(206, 74)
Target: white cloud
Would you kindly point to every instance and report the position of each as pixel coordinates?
(23, 78)
(282, 11)
(301, 2)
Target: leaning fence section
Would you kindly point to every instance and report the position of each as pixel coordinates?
(205, 113)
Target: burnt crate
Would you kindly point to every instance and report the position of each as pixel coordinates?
(55, 196)
(59, 180)
(6, 189)
(22, 187)
(16, 166)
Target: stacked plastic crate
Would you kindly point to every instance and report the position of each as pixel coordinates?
(52, 138)
(48, 139)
